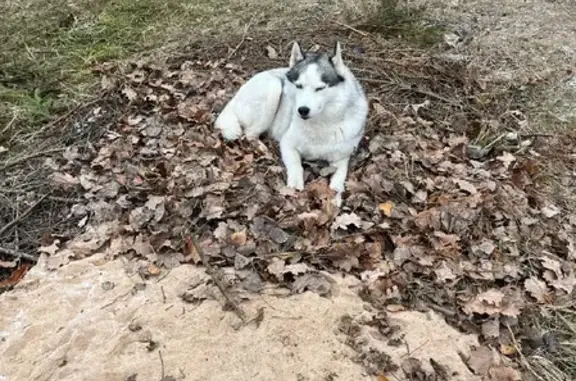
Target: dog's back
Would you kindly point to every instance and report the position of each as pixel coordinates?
(261, 105)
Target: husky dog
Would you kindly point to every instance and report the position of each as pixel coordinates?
(315, 108)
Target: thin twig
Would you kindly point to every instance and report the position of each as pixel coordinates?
(242, 40)
(537, 135)
(8, 125)
(363, 34)
(568, 325)
(28, 157)
(443, 310)
(67, 200)
(18, 254)
(493, 143)
(161, 364)
(22, 216)
(523, 358)
(420, 91)
(210, 270)
(68, 114)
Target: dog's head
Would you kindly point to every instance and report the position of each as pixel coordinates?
(317, 78)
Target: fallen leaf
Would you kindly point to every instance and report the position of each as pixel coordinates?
(63, 180)
(241, 261)
(508, 350)
(129, 93)
(50, 249)
(266, 227)
(482, 359)
(15, 276)
(506, 158)
(197, 294)
(106, 83)
(504, 373)
(537, 289)
(386, 208)
(221, 231)
(489, 302)
(550, 211)
(8, 265)
(238, 238)
(412, 368)
(565, 283)
(395, 308)
(551, 264)
(444, 273)
(467, 186)
(419, 197)
(278, 268)
(316, 282)
(491, 328)
(271, 52)
(487, 247)
(347, 219)
(153, 269)
(190, 251)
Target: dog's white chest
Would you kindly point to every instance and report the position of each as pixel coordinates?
(316, 142)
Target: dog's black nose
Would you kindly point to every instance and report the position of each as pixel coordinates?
(303, 111)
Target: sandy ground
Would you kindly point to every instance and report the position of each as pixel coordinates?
(91, 320)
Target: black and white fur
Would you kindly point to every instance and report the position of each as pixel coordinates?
(315, 108)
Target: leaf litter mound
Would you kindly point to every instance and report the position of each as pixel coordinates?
(443, 208)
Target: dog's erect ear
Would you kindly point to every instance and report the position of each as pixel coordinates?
(337, 57)
(297, 55)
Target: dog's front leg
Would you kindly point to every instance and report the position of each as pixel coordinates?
(293, 164)
(338, 179)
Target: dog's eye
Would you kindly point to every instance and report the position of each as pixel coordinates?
(320, 88)
(298, 86)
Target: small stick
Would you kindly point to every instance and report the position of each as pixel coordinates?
(161, 364)
(363, 34)
(67, 200)
(18, 254)
(8, 125)
(523, 358)
(28, 157)
(23, 215)
(210, 270)
(565, 321)
(443, 310)
(242, 40)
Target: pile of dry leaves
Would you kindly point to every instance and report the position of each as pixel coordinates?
(434, 216)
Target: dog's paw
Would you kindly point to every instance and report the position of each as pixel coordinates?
(295, 182)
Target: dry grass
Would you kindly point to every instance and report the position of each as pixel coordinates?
(556, 360)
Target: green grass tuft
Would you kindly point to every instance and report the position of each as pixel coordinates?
(50, 46)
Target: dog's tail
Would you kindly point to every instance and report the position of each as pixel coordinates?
(228, 123)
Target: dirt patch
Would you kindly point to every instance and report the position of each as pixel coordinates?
(106, 323)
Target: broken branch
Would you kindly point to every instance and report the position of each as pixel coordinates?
(218, 281)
